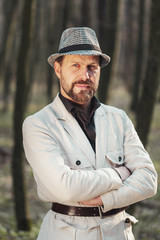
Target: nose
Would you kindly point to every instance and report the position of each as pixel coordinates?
(85, 74)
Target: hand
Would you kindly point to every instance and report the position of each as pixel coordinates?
(97, 201)
(124, 172)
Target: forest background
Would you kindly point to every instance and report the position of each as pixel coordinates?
(129, 32)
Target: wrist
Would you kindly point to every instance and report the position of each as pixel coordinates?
(118, 173)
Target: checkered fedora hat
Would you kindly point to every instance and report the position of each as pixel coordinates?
(79, 41)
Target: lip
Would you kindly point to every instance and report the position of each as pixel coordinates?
(82, 86)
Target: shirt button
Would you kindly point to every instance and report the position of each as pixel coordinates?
(78, 162)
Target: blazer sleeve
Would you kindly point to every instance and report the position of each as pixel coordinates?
(56, 182)
(142, 183)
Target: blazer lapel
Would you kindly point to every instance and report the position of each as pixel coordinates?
(101, 139)
(74, 130)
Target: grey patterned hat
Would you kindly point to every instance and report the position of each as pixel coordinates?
(79, 41)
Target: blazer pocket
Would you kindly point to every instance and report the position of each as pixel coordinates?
(77, 161)
(115, 158)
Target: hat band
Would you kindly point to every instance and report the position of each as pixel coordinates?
(79, 47)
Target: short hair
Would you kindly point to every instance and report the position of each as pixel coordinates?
(60, 59)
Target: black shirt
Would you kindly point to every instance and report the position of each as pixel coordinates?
(86, 122)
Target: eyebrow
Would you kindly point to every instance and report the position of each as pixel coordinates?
(87, 64)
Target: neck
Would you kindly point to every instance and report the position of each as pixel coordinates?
(85, 107)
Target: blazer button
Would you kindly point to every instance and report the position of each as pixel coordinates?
(120, 159)
(78, 162)
(127, 220)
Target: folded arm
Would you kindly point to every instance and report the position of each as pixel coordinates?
(122, 172)
(55, 180)
(141, 184)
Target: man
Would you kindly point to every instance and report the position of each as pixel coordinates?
(86, 157)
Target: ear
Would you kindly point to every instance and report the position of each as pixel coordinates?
(57, 69)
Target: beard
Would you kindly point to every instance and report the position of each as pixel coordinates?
(81, 96)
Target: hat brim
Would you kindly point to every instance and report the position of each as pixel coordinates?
(105, 58)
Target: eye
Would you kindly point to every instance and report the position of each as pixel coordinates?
(92, 67)
(75, 65)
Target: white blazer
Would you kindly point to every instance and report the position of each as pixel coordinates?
(54, 142)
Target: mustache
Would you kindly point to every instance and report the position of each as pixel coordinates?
(86, 82)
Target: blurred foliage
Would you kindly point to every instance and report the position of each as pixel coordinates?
(20, 235)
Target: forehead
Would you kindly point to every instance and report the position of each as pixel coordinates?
(84, 59)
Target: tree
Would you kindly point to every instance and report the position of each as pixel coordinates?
(86, 13)
(9, 12)
(151, 81)
(141, 52)
(7, 9)
(58, 12)
(129, 33)
(107, 17)
(23, 222)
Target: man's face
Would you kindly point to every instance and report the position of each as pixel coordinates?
(79, 77)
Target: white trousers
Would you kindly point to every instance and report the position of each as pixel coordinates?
(57, 226)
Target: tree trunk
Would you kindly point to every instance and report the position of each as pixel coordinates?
(151, 81)
(59, 12)
(23, 222)
(142, 46)
(129, 33)
(107, 16)
(139, 57)
(6, 49)
(86, 13)
(8, 8)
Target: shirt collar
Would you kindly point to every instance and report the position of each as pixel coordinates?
(70, 105)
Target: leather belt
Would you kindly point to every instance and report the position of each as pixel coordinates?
(84, 211)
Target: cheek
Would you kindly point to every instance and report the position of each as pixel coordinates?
(65, 82)
(96, 85)
(96, 79)
(69, 76)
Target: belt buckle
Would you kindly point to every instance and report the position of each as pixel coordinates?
(100, 212)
